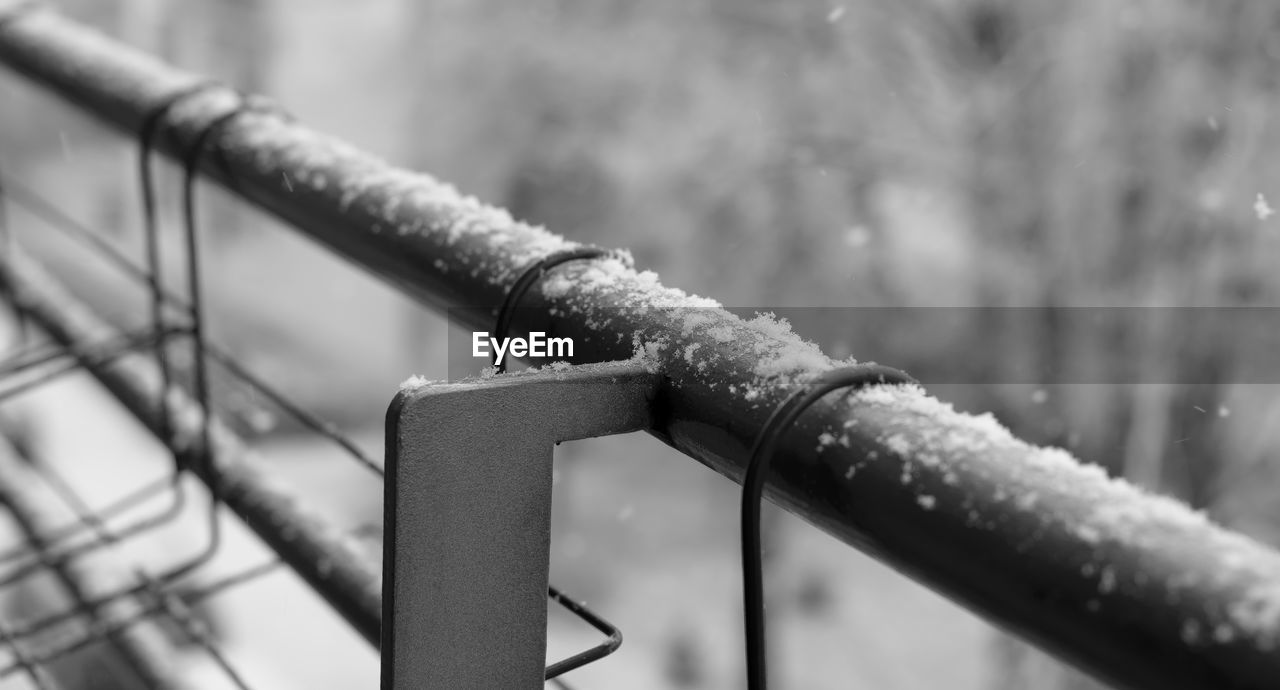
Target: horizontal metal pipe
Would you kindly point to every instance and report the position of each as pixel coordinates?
(1133, 588)
(325, 559)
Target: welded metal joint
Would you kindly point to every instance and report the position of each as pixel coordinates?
(468, 517)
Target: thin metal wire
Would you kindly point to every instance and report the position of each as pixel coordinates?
(612, 642)
(27, 513)
(176, 609)
(160, 297)
(41, 207)
(68, 367)
(43, 353)
(196, 314)
(23, 662)
(526, 280)
(8, 240)
(60, 485)
(317, 552)
(151, 127)
(107, 629)
(210, 472)
(80, 640)
(116, 507)
(90, 359)
(29, 356)
(762, 451)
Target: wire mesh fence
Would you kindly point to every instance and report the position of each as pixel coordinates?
(176, 344)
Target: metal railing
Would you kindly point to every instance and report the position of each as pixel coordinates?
(1131, 587)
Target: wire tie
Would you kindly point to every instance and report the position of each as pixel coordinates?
(526, 280)
(762, 451)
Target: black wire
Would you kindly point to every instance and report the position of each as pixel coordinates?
(56, 536)
(147, 134)
(23, 662)
(41, 354)
(149, 130)
(51, 652)
(180, 612)
(96, 359)
(204, 449)
(196, 294)
(39, 206)
(153, 277)
(611, 643)
(9, 243)
(762, 451)
(526, 280)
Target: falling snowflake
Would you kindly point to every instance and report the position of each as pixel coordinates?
(835, 14)
(1262, 208)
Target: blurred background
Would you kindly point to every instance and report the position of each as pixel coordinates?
(880, 153)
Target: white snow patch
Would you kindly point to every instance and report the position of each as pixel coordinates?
(1088, 534)
(1258, 613)
(557, 285)
(1117, 511)
(1262, 208)
(898, 444)
(721, 334)
(414, 382)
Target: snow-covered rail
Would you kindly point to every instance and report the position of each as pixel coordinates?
(1134, 588)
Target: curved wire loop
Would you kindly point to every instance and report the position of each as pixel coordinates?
(526, 280)
(762, 451)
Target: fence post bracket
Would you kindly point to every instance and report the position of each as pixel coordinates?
(468, 517)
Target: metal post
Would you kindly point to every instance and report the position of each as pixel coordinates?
(468, 517)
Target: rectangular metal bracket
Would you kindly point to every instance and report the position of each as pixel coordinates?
(468, 517)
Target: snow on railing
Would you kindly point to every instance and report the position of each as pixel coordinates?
(1134, 588)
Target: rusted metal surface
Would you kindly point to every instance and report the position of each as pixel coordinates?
(1133, 588)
